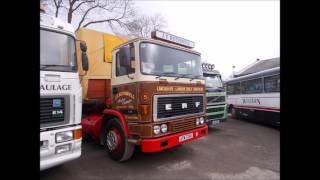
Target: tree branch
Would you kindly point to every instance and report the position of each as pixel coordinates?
(83, 2)
(99, 21)
(85, 15)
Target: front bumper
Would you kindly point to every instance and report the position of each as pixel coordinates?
(162, 143)
(222, 119)
(48, 156)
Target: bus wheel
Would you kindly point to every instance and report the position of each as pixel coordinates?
(115, 142)
(234, 113)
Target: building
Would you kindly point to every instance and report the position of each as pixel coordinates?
(259, 65)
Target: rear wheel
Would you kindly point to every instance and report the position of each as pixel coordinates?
(119, 149)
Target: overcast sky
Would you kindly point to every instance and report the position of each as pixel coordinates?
(226, 33)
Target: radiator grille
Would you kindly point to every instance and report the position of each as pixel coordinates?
(52, 109)
(219, 109)
(215, 99)
(215, 116)
(183, 125)
(179, 106)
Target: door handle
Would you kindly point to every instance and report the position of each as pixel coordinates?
(114, 90)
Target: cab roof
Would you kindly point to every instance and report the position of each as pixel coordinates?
(54, 23)
(158, 42)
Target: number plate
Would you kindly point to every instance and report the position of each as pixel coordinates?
(214, 122)
(185, 137)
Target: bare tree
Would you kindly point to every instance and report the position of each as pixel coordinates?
(119, 15)
(93, 11)
(143, 26)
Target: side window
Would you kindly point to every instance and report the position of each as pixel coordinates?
(120, 71)
(272, 84)
(253, 86)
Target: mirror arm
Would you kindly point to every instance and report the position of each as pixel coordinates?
(130, 77)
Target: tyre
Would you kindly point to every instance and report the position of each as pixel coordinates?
(115, 141)
(234, 113)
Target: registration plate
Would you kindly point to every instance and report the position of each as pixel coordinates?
(214, 122)
(185, 137)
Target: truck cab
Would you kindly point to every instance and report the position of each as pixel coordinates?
(60, 93)
(157, 95)
(216, 95)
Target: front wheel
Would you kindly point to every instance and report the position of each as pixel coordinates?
(234, 113)
(119, 149)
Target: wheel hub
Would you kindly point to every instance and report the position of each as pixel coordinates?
(113, 140)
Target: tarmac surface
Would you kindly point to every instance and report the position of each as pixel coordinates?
(233, 150)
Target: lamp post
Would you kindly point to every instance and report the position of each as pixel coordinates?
(233, 71)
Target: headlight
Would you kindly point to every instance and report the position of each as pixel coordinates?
(156, 129)
(197, 121)
(164, 128)
(64, 136)
(201, 120)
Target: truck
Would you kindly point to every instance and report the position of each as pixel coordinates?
(144, 92)
(60, 92)
(216, 95)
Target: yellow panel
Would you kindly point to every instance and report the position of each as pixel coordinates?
(110, 42)
(98, 68)
(99, 53)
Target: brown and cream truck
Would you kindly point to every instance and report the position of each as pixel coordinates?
(146, 92)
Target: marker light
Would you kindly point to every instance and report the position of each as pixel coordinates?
(77, 134)
(208, 67)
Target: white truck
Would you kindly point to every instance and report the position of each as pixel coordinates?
(60, 93)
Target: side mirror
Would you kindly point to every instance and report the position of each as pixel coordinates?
(85, 61)
(83, 46)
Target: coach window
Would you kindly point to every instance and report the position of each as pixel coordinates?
(233, 88)
(253, 86)
(242, 87)
(229, 89)
(272, 83)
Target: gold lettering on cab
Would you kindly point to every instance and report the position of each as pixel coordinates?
(179, 89)
(124, 93)
(164, 88)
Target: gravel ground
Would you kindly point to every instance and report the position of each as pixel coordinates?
(233, 150)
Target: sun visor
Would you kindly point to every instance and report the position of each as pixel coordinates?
(111, 41)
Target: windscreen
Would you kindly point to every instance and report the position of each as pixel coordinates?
(213, 81)
(57, 52)
(161, 60)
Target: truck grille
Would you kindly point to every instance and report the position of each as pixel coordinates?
(183, 125)
(215, 116)
(180, 105)
(215, 99)
(215, 109)
(52, 109)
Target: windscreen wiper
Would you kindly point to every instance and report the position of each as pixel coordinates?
(45, 66)
(182, 75)
(195, 77)
(164, 74)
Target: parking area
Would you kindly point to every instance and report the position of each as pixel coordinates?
(235, 149)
